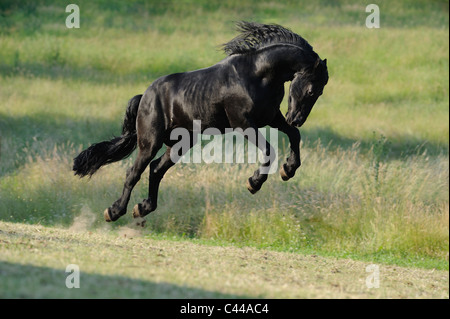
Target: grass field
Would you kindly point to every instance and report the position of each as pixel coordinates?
(374, 180)
(126, 264)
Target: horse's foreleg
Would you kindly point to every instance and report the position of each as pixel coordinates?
(293, 162)
(255, 182)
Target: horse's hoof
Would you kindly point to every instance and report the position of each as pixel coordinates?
(136, 211)
(283, 174)
(107, 215)
(251, 188)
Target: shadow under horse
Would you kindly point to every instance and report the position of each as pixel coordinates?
(244, 91)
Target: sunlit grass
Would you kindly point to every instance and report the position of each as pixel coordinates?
(339, 200)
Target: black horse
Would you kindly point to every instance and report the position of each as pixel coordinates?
(242, 91)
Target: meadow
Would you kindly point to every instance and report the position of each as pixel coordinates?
(374, 179)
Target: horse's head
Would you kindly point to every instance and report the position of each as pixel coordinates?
(306, 87)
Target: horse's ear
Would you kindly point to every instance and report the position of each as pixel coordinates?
(316, 64)
(325, 62)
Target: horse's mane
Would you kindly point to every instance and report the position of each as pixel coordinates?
(255, 36)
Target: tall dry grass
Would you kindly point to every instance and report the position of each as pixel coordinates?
(340, 200)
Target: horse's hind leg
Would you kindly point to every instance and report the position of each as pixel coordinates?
(119, 208)
(149, 141)
(157, 170)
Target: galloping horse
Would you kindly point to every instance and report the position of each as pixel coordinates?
(244, 90)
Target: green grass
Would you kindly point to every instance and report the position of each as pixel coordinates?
(374, 180)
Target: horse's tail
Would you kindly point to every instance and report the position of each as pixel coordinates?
(97, 155)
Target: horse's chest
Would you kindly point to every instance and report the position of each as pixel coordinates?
(267, 103)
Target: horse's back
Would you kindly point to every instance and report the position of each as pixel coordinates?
(194, 95)
(213, 95)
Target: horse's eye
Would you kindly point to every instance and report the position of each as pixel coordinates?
(310, 92)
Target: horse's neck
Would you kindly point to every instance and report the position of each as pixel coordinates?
(282, 61)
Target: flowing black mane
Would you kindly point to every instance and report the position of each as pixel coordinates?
(255, 36)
